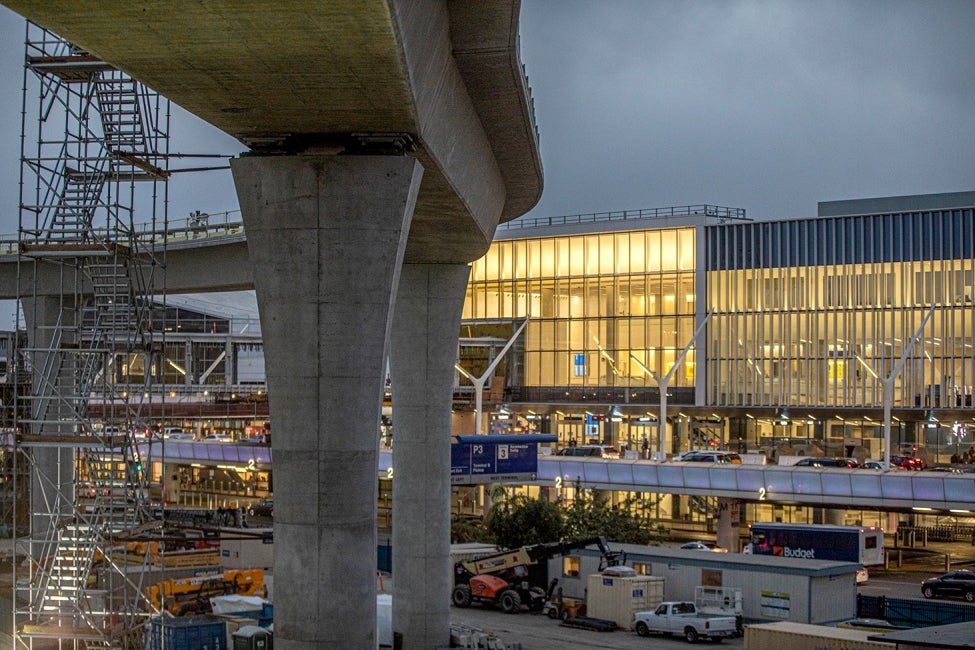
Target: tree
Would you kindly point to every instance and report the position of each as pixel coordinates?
(522, 521)
(465, 530)
(519, 520)
(590, 515)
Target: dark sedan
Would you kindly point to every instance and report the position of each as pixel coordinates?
(828, 461)
(262, 508)
(959, 584)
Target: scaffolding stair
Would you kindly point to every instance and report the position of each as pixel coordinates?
(81, 191)
(127, 134)
(62, 590)
(104, 131)
(117, 311)
(121, 115)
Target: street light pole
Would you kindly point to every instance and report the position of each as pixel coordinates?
(887, 383)
(480, 381)
(664, 382)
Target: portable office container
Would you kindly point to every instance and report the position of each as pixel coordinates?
(617, 598)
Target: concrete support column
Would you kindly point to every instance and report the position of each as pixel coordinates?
(326, 236)
(230, 370)
(890, 521)
(426, 325)
(728, 518)
(834, 517)
(190, 377)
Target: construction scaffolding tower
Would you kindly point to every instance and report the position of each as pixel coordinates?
(92, 244)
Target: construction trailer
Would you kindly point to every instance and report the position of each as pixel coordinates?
(772, 588)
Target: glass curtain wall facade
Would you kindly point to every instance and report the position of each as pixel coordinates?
(814, 314)
(605, 308)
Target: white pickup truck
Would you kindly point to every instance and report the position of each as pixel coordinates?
(684, 619)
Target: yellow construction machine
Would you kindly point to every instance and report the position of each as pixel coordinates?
(187, 596)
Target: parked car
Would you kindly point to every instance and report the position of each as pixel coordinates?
(954, 583)
(145, 433)
(89, 491)
(704, 456)
(704, 546)
(599, 451)
(218, 437)
(879, 465)
(263, 508)
(683, 618)
(907, 462)
(827, 461)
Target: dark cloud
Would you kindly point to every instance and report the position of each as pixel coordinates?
(770, 106)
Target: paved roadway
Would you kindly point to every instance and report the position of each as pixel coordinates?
(537, 632)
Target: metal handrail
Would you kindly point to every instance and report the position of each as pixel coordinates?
(197, 225)
(704, 210)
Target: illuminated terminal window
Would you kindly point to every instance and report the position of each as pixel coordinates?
(606, 309)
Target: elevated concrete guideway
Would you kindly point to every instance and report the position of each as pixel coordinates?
(443, 78)
(388, 139)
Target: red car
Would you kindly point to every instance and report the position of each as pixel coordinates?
(906, 462)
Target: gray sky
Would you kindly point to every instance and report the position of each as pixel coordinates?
(767, 106)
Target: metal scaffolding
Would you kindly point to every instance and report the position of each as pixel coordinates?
(94, 153)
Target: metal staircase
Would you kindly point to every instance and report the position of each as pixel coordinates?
(73, 215)
(81, 217)
(121, 114)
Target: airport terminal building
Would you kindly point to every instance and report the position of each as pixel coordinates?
(771, 337)
(766, 333)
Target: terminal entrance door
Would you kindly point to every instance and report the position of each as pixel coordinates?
(571, 433)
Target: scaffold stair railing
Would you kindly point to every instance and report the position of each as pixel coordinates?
(81, 189)
(121, 114)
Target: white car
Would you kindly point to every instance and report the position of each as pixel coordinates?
(863, 574)
(182, 435)
(218, 437)
(878, 465)
(704, 546)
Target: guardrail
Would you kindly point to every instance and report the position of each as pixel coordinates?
(704, 210)
(196, 226)
(201, 225)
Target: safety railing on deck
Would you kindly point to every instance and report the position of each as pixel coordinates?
(196, 226)
(715, 211)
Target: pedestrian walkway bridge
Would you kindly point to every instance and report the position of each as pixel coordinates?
(889, 491)
(898, 490)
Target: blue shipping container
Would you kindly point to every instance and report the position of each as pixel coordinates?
(188, 633)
